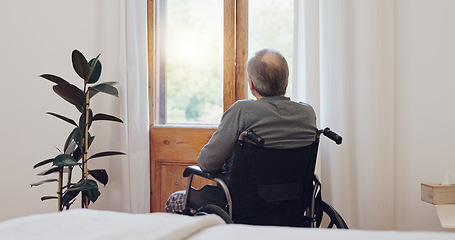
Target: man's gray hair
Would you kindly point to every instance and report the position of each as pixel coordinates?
(270, 77)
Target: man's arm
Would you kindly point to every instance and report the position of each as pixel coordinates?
(220, 146)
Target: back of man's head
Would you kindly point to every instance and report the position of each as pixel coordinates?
(269, 72)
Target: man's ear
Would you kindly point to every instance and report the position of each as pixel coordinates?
(250, 84)
(253, 90)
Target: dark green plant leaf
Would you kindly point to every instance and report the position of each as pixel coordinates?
(70, 93)
(78, 136)
(71, 121)
(93, 61)
(104, 154)
(100, 175)
(80, 65)
(68, 196)
(88, 186)
(103, 87)
(43, 163)
(52, 170)
(64, 160)
(70, 145)
(77, 154)
(54, 79)
(70, 203)
(102, 116)
(92, 192)
(95, 70)
(82, 120)
(93, 92)
(83, 185)
(80, 109)
(42, 182)
(68, 185)
(48, 197)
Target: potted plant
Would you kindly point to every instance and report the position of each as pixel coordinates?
(74, 154)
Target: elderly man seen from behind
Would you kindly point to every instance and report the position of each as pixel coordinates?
(281, 122)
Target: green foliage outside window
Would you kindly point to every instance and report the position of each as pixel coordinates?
(194, 52)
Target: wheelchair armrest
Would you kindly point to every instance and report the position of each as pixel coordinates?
(196, 170)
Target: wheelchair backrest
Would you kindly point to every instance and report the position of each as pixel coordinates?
(272, 186)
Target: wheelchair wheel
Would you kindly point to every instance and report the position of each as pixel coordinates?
(333, 217)
(214, 209)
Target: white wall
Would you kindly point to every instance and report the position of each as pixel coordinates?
(424, 105)
(38, 37)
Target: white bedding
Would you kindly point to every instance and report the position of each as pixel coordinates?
(94, 224)
(231, 232)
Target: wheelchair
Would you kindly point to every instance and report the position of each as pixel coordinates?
(266, 186)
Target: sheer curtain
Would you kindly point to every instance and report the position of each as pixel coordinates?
(347, 70)
(134, 107)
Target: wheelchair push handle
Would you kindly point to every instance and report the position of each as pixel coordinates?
(332, 135)
(259, 141)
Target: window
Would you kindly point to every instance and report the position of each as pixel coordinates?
(271, 25)
(200, 52)
(189, 71)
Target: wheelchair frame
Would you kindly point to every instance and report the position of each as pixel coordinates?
(335, 217)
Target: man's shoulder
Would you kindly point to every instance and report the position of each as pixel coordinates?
(304, 104)
(243, 103)
(257, 103)
(238, 107)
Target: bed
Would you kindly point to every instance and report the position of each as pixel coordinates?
(96, 224)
